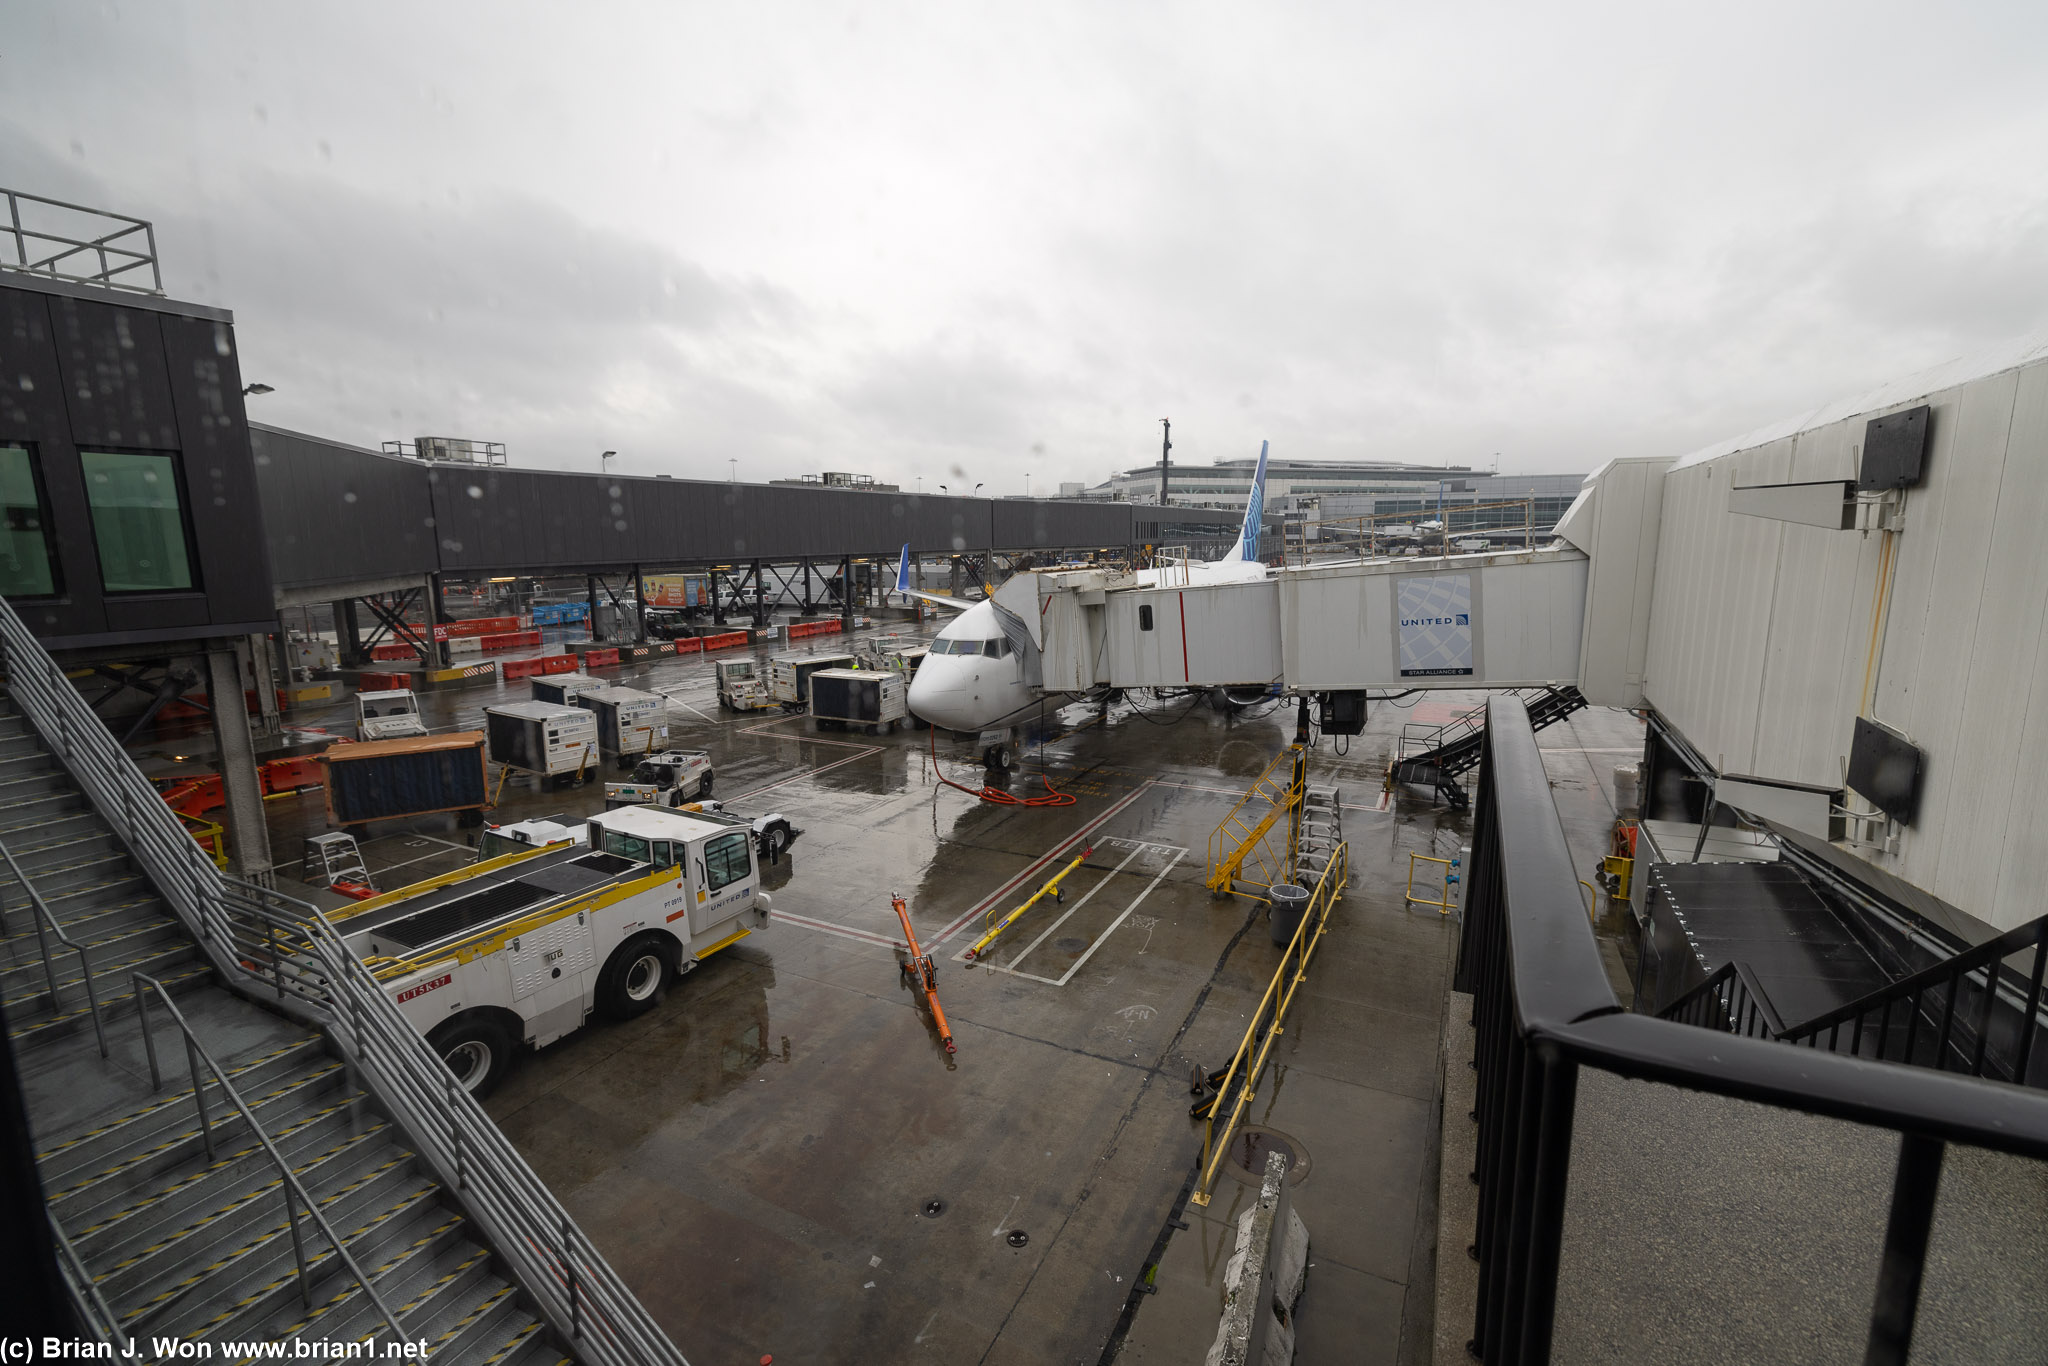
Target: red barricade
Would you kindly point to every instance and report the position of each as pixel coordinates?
(798, 630)
(722, 642)
(383, 682)
(558, 664)
(389, 652)
(521, 668)
(483, 626)
(599, 657)
(511, 640)
(689, 645)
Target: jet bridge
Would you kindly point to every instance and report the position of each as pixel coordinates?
(1494, 620)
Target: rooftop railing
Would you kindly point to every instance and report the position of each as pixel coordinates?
(85, 245)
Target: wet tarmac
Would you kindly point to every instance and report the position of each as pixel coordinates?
(780, 1159)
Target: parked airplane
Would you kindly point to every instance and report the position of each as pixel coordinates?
(972, 679)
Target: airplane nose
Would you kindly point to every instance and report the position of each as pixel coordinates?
(937, 698)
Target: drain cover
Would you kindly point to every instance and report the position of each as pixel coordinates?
(934, 1207)
(1248, 1150)
(1018, 1237)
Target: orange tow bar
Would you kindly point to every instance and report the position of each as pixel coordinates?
(919, 971)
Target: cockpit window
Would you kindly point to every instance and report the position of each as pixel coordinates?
(956, 647)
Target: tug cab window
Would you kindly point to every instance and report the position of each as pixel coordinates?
(628, 846)
(726, 860)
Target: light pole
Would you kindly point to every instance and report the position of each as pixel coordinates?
(735, 463)
(256, 389)
(1027, 485)
(604, 461)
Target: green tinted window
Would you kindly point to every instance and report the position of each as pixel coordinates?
(24, 543)
(138, 521)
(726, 861)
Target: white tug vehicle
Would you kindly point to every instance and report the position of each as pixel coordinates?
(522, 948)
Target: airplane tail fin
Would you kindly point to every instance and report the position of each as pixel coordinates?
(1254, 512)
(903, 570)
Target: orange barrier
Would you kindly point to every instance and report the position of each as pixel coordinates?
(511, 640)
(600, 657)
(382, 682)
(393, 652)
(798, 630)
(522, 668)
(722, 642)
(483, 626)
(689, 645)
(558, 664)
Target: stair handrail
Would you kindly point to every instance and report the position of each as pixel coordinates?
(93, 1309)
(261, 939)
(1986, 957)
(293, 949)
(40, 911)
(1731, 1000)
(195, 1053)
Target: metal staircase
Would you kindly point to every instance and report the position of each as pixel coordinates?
(239, 1138)
(1241, 848)
(1977, 1012)
(1437, 756)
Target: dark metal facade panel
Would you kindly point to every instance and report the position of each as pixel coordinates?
(496, 521)
(85, 373)
(337, 514)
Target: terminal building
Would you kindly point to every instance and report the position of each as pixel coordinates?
(1309, 492)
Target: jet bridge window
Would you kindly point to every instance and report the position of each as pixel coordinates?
(1145, 617)
(726, 861)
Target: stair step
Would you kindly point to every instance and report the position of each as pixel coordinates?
(22, 809)
(348, 1313)
(88, 924)
(167, 1134)
(253, 1278)
(16, 783)
(527, 1335)
(78, 1015)
(21, 743)
(63, 849)
(238, 1237)
(402, 1239)
(145, 1214)
(252, 1076)
(24, 986)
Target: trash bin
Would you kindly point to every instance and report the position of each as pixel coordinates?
(1289, 904)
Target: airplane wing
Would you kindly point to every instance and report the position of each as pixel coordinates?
(936, 599)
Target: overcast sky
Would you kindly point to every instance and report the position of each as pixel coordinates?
(971, 242)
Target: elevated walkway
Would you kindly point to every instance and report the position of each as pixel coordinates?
(236, 1134)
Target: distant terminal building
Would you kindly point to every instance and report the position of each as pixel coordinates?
(1313, 491)
(838, 479)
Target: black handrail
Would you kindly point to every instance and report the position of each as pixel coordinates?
(1986, 958)
(1542, 1008)
(1732, 1001)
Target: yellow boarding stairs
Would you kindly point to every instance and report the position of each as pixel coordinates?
(1281, 830)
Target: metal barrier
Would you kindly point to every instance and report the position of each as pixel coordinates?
(130, 246)
(1443, 905)
(1292, 972)
(40, 910)
(1542, 1009)
(273, 945)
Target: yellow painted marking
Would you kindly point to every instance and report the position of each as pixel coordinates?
(729, 939)
(519, 1339)
(492, 1303)
(276, 1231)
(493, 938)
(170, 1098)
(313, 1260)
(431, 1290)
(193, 1132)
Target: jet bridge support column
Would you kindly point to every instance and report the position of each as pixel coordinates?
(590, 587)
(248, 837)
(437, 615)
